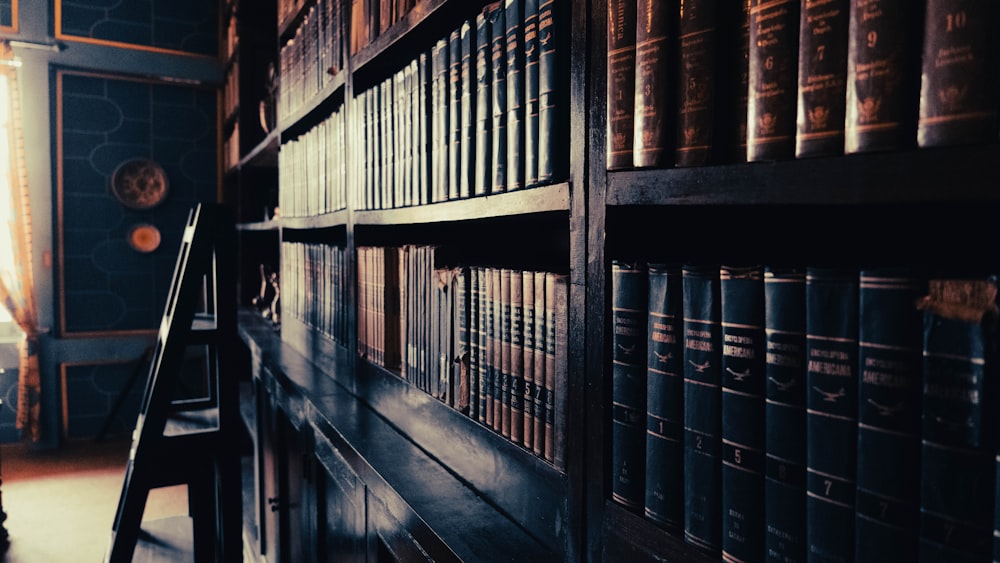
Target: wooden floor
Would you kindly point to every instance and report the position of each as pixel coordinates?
(60, 504)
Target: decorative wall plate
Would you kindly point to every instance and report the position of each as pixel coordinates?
(143, 237)
(139, 183)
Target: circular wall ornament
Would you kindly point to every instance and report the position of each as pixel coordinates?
(143, 237)
(139, 183)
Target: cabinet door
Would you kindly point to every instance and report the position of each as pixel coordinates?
(342, 521)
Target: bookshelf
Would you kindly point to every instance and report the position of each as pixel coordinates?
(359, 460)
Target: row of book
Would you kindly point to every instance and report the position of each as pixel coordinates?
(286, 8)
(372, 18)
(312, 170)
(314, 287)
(821, 414)
(704, 81)
(484, 111)
(489, 342)
(311, 58)
(231, 91)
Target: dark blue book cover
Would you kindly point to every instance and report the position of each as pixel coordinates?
(453, 99)
(465, 166)
(484, 108)
(514, 52)
(743, 371)
(531, 53)
(552, 106)
(702, 407)
(785, 414)
(498, 65)
(621, 82)
(831, 419)
(958, 428)
(665, 397)
(628, 395)
(889, 400)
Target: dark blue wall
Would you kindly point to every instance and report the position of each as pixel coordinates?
(181, 25)
(108, 120)
(91, 394)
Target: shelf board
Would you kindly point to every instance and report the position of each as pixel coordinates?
(554, 197)
(265, 153)
(259, 226)
(287, 27)
(320, 105)
(630, 537)
(947, 174)
(334, 219)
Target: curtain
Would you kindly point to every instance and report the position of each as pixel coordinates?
(17, 291)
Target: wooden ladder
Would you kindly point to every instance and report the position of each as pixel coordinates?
(191, 442)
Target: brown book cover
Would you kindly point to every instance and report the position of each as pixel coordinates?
(621, 82)
(528, 343)
(882, 75)
(541, 337)
(737, 40)
(774, 47)
(822, 78)
(958, 91)
(556, 368)
(489, 356)
(505, 351)
(516, 357)
(498, 372)
(654, 49)
(697, 73)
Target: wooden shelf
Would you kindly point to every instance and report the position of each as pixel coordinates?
(553, 198)
(287, 27)
(313, 111)
(260, 226)
(951, 174)
(265, 153)
(325, 221)
(630, 537)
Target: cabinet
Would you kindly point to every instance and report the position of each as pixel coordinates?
(352, 461)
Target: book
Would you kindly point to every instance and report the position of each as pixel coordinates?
(423, 142)
(557, 367)
(516, 357)
(484, 113)
(696, 76)
(531, 53)
(629, 290)
(492, 364)
(542, 381)
(664, 483)
(473, 343)
(467, 113)
(498, 65)
(774, 48)
(506, 342)
(958, 89)
(528, 359)
(702, 407)
(822, 78)
(831, 411)
(744, 350)
(958, 429)
(654, 35)
(889, 404)
(460, 338)
(454, 105)
(736, 40)
(514, 52)
(483, 310)
(552, 107)
(785, 414)
(883, 80)
(439, 121)
(621, 82)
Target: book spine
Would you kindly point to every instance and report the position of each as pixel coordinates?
(484, 348)
(423, 131)
(498, 62)
(653, 52)
(460, 327)
(541, 367)
(774, 47)
(702, 407)
(473, 343)
(831, 403)
(696, 76)
(958, 90)
(822, 78)
(883, 59)
(551, 103)
(468, 113)
(958, 430)
(492, 350)
(621, 82)
(528, 359)
(664, 485)
(454, 127)
(484, 113)
(514, 50)
(552, 371)
(560, 371)
(516, 357)
(436, 120)
(737, 45)
(889, 398)
(744, 350)
(531, 54)
(506, 343)
(629, 311)
(785, 414)
(498, 373)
